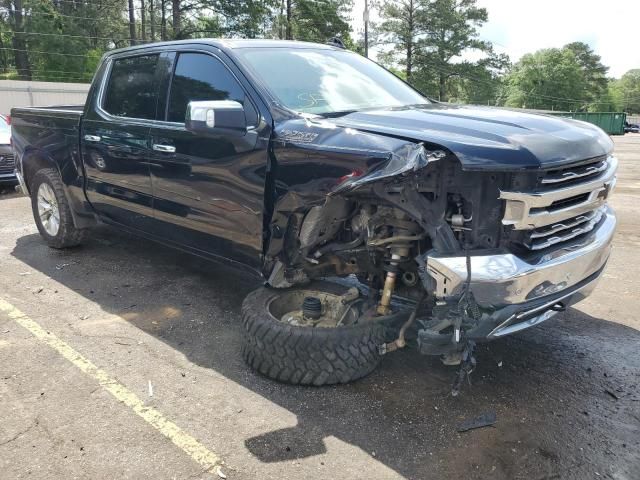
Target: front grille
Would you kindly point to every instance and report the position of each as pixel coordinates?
(564, 204)
(575, 173)
(544, 237)
(7, 163)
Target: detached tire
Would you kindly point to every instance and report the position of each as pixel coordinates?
(305, 355)
(51, 211)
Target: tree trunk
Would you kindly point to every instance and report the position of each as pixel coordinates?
(410, 43)
(3, 57)
(163, 20)
(442, 93)
(152, 20)
(175, 7)
(19, 43)
(143, 22)
(132, 24)
(281, 21)
(289, 35)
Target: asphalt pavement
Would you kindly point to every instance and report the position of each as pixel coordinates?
(121, 359)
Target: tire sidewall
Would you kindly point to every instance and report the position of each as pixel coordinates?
(68, 235)
(272, 347)
(38, 180)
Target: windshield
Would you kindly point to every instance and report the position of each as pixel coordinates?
(4, 128)
(327, 81)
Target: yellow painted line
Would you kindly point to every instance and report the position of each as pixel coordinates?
(153, 417)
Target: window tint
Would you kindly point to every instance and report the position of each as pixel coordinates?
(202, 77)
(132, 91)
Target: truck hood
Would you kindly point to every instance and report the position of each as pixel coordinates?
(486, 138)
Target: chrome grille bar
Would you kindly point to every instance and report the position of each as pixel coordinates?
(557, 227)
(577, 229)
(575, 173)
(527, 210)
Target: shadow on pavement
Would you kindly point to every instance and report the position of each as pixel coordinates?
(547, 385)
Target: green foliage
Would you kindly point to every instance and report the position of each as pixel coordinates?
(313, 20)
(429, 39)
(625, 92)
(429, 43)
(63, 40)
(569, 78)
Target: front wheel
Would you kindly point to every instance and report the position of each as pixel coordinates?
(51, 211)
(283, 343)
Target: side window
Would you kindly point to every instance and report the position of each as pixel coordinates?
(132, 91)
(202, 77)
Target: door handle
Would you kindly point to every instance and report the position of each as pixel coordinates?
(92, 138)
(164, 148)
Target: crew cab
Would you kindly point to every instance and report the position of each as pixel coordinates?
(377, 217)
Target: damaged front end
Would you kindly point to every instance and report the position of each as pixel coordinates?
(378, 219)
(426, 237)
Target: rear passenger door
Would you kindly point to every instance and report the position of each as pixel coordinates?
(115, 140)
(209, 190)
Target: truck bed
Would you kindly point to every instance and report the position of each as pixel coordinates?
(73, 112)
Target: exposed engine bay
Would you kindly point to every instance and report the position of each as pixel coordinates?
(381, 229)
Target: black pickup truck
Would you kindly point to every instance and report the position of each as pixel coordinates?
(377, 217)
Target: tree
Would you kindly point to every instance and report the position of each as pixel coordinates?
(313, 20)
(626, 91)
(430, 37)
(550, 79)
(402, 25)
(452, 28)
(594, 72)
(19, 39)
(62, 40)
(132, 24)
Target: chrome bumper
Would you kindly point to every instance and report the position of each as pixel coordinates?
(504, 279)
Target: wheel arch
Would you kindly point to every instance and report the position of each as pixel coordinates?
(35, 160)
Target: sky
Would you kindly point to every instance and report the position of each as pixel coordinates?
(516, 27)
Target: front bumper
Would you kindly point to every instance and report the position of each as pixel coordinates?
(6, 178)
(518, 292)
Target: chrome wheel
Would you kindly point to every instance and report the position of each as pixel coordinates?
(48, 210)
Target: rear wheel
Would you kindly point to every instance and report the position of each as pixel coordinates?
(51, 211)
(286, 344)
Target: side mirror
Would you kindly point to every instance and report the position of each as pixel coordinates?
(216, 117)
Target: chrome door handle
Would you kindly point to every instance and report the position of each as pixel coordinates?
(92, 138)
(164, 148)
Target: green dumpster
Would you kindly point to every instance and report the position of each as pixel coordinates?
(610, 122)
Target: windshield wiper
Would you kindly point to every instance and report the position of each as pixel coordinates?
(340, 113)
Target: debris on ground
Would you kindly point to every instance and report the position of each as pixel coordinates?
(150, 389)
(612, 394)
(485, 420)
(220, 473)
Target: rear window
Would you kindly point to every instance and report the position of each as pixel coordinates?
(132, 91)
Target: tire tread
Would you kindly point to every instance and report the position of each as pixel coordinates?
(307, 355)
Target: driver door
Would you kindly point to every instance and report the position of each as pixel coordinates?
(208, 190)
